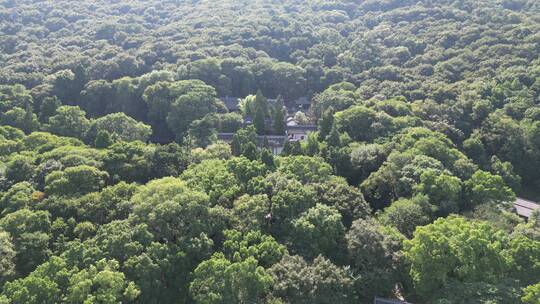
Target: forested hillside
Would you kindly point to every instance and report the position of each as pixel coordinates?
(138, 155)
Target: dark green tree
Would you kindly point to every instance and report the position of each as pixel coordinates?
(279, 113)
(261, 113)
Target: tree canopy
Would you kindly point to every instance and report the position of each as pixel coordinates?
(139, 140)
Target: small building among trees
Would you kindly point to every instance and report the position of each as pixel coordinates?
(299, 132)
(525, 208)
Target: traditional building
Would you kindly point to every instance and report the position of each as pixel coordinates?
(302, 104)
(299, 132)
(525, 208)
(388, 301)
(294, 131)
(275, 142)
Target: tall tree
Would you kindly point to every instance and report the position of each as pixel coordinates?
(261, 113)
(279, 113)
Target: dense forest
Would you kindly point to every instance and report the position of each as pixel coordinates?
(116, 188)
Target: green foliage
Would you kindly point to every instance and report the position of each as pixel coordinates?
(337, 97)
(532, 294)
(75, 181)
(22, 119)
(427, 164)
(373, 254)
(220, 281)
(235, 277)
(263, 248)
(154, 266)
(167, 205)
(7, 257)
(318, 231)
(407, 214)
(11, 133)
(55, 281)
(48, 108)
(18, 197)
(230, 122)
(112, 203)
(292, 148)
(261, 111)
(326, 123)
(171, 159)
(101, 283)
(20, 168)
(32, 290)
(289, 199)
(364, 124)
(245, 170)
(424, 109)
(181, 222)
(214, 178)
(120, 127)
(251, 212)
(30, 233)
(367, 159)
(279, 115)
(507, 172)
(188, 108)
(484, 187)
(14, 96)
(443, 190)
(69, 121)
(454, 249)
(501, 218)
(297, 281)
(103, 139)
(523, 255)
(129, 161)
(243, 141)
(305, 169)
(43, 142)
(179, 104)
(218, 150)
(247, 106)
(348, 200)
(531, 229)
(202, 132)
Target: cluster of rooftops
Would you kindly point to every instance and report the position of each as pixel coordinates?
(294, 131)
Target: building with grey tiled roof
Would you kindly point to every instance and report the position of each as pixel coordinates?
(525, 208)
